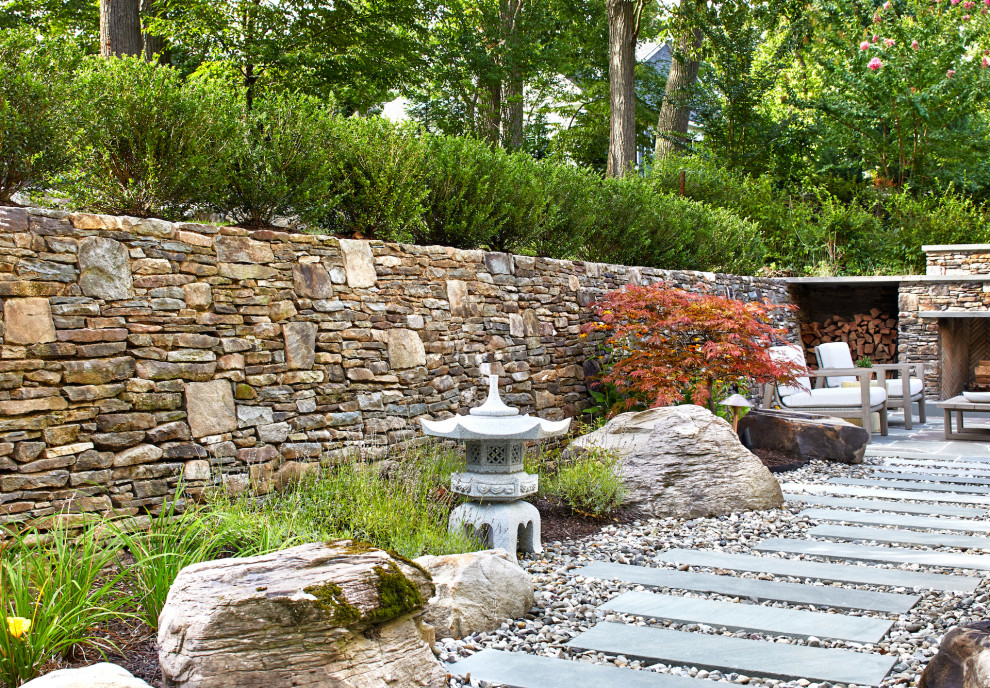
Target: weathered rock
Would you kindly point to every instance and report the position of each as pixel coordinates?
(457, 295)
(98, 371)
(300, 344)
(335, 615)
(685, 462)
(291, 473)
(476, 592)
(236, 249)
(103, 675)
(210, 408)
(142, 453)
(962, 661)
(28, 321)
(405, 349)
(312, 281)
(359, 263)
(104, 269)
(804, 435)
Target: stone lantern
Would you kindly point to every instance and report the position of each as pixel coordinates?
(494, 479)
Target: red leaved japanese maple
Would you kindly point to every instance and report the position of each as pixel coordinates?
(667, 344)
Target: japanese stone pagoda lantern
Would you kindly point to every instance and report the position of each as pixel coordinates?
(494, 479)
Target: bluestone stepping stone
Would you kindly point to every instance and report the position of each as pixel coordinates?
(907, 455)
(755, 657)
(519, 670)
(911, 486)
(897, 520)
(748, 617)
(936, 468)
(903, 537)
(891, 507)
(890, 555)
(795, 593)
(842, 573)
(857, 491)
(933, 477)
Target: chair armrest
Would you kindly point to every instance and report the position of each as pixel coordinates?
(829, 372)
(914, 369)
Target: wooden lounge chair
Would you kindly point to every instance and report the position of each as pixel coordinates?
(834, 401)
(838, 355)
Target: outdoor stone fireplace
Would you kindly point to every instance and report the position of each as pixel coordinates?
(944, 316)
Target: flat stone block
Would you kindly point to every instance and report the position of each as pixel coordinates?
(909, 485)
(898, 520)
(405, 349)
(300, 344)
(736, 616)
(842, 573)
(518, 670)
(210, 408)
(890, 555)
(797, 593)
(359, 263)
(753, 657)
(888, 506)
(861, 491)
(932, 477)
(936, 467)
(28, 321)
(898, 536)
(104, 269)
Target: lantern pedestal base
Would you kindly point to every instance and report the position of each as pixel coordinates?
(507, 525)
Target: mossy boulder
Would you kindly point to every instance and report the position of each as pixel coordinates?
(338, 614)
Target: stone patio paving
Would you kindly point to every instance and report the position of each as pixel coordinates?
(848, 585)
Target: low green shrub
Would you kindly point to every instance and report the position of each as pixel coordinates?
(281, 163)
(588, 482)
(150, 143)
(378, 180)
(55, 590)
(34, 119)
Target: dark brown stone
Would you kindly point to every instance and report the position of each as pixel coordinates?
(962, 661)
(257, 454)
(115, 441)
(168, 432)
(311, 280)
(805, 435)
(184, 450)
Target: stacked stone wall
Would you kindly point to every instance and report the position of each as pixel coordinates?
(134, 351)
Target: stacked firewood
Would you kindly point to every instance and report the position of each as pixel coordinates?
(982, 376)
(872, 334)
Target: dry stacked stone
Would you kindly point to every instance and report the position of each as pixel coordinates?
(136, 352)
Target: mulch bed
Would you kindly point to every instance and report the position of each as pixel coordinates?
(558, 523)
(778, 461)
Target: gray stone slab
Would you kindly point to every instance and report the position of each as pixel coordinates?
(934, 467)
(897, 520)
(888, 506)
(933, 477)
(890, 555)
(901, 537)
(519, 670)
(910, 485)
(753, 657)
(841, 573)
(795, 593)
(880, 452)
(859, 491)
(736, 616)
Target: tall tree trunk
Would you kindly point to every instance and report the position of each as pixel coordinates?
(622, 30)
(512, 119)
(120, 27)
(675, 113)
(153, 44)
(490, 111)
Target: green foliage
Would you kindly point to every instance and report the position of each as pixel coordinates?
(59, 583)
(588, 482)
(378, 169)
(281, 163)
(150, 143)
(34, 118)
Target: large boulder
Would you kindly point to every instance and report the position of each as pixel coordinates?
(962, 661)
(686, 462)
(476, 592)
(804, 435)
(102, 675)
(334, 615)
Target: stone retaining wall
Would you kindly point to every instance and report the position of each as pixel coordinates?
(135, 350)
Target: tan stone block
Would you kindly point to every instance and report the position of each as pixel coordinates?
(210, 408)
(16, 407)
(197, 470)
(405, 349)
(28, 321)
(198, 295)
(281, 310)
(359, 263)
(104, 269)
(242, 271)
(236, 249)
(300, 344)
(311, 280)
(457, 295)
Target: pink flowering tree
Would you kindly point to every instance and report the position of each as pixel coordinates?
(901, 81)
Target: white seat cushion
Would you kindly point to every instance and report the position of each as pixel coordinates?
(833, 397)
(894, 387)
(794, 354)
(835, 355)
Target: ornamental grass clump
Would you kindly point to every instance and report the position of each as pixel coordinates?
(56, 590)
(668, 346)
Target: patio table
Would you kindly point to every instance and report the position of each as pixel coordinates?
(960, 405)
